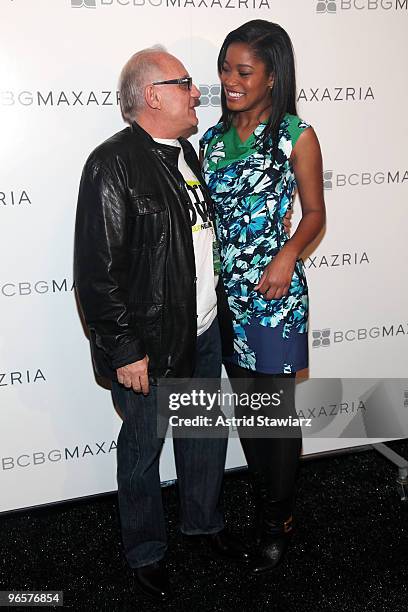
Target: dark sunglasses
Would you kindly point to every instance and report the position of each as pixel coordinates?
(185, 82)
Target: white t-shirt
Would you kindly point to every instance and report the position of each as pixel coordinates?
(203, 238)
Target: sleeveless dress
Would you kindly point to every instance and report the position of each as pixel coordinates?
(252, 193)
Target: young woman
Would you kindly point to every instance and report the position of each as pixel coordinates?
(254, 159)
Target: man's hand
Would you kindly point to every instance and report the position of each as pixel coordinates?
(135, 376)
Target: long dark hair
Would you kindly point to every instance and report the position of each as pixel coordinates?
(271, 44)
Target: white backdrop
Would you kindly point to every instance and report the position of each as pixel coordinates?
(60, 61)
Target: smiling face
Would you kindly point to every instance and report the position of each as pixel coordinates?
(246, 84)
(177, 102)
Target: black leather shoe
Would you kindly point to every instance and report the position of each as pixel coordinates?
(272, 547)
(226, 545)
(153, 580)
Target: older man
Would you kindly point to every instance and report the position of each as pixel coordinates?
(144, 273)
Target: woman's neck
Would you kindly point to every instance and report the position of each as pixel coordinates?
(247, 119)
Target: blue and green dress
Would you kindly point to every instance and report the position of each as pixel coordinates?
(252, 192)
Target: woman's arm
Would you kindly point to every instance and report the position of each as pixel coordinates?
(306, 159)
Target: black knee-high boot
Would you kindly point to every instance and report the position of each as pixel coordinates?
(273, 526)
(273, 464)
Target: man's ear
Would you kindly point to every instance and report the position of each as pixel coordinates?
(152, 97)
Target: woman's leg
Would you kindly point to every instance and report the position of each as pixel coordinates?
(276, 458)
(272, 461)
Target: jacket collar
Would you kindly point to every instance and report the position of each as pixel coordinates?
(167, 152)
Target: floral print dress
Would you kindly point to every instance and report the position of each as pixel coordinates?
(252, 192)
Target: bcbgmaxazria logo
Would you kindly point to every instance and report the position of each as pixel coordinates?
(25, 377)
(336, 94)
(336, 260)
(332, 180)
(223, 4)
(211, 94)
(348, 407)
(323, 338)
(323, 7)
(55, 455)
(326, 6)
(40, 287)
(14, 197)
(62, 98)
(332, 7)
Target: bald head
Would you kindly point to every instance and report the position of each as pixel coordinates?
(141, 69)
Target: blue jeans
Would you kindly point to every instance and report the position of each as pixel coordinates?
(199, 463)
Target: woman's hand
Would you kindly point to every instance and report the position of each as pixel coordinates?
(287, 221)
(277, 276)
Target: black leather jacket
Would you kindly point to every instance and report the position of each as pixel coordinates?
(134, 264)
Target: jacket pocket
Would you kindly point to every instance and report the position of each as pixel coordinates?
(147, 222)
(145, 204)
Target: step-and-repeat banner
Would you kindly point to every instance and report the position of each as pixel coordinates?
(60, 61)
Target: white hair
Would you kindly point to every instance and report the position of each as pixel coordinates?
(138, 72)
